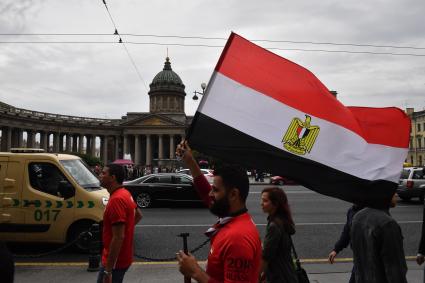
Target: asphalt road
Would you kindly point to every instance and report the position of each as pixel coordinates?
(319, 221)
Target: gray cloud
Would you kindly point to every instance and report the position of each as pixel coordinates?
(99, 80)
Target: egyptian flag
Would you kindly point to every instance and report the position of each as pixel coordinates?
(263, 111)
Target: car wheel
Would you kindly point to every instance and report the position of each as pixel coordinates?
(83, 244)
(281, 183)
(421, 198)
(144, 200)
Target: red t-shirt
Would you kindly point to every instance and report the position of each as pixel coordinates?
(235, 253)
(120, 209)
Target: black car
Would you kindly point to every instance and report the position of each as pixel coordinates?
(169, 187)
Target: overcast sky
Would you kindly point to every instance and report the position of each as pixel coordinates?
(99, 79)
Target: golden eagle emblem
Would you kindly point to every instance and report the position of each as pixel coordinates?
(300, 136)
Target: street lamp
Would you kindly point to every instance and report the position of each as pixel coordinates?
(203, 86)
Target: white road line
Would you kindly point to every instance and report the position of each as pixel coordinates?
(262, 224)
(291, 192)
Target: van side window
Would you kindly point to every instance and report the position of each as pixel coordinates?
(45, 177)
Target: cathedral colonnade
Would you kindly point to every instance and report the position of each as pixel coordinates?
(143, 148)
(149, 137)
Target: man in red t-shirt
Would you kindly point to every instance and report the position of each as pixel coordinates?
(120, 216)
(235, 253)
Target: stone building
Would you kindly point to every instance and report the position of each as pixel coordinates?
(416, 154)
(150, 137)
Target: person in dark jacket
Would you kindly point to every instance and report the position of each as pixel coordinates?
(377, 244)
(7, 265)
(277, 264)
(344, 239)
(420, 258)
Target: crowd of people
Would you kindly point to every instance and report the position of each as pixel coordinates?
(236, 253)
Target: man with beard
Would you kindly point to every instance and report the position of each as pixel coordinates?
(235, 252)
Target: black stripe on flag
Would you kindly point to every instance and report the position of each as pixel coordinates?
(216, 139)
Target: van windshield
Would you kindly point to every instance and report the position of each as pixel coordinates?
(81, 173)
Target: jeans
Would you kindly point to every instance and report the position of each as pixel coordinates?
(117, 275)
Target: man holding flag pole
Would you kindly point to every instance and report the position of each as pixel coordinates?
(235, 252)
(264, 111)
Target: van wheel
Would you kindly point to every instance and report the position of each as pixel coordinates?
(144, 200)
(83, 244)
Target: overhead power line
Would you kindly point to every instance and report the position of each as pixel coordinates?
(205, 45)
(123, 44)
(214, 38)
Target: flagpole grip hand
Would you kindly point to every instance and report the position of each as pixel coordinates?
(184, 152)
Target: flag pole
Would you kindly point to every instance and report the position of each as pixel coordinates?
(187, 279)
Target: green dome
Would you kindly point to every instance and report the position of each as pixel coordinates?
(166, 77)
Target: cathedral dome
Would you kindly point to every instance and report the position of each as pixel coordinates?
(167, 91)
(166, 78)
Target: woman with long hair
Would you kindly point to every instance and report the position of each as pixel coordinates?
(277, 264)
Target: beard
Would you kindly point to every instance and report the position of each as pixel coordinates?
(220, 207)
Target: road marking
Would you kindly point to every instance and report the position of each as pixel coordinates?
(64, 264)
(262, 224)
(291, 192)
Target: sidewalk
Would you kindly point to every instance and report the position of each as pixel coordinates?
(168, 273)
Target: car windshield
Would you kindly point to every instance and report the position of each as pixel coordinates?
(137, 181)
(81, 173)
(405, 174)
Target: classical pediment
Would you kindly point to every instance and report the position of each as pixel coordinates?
(153, 120)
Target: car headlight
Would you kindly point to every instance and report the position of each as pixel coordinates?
(105, 201)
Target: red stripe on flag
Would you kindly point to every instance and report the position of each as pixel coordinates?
(297, 87)
(376, 125)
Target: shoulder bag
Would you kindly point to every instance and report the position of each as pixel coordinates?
(301, 273)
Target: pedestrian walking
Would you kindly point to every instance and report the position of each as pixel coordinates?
(344, 238)
(377, 244)
(7, 264)
(235, 251)
(420, 258)
(277, 263)
(120, 216)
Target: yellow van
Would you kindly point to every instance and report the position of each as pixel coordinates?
(47, 197)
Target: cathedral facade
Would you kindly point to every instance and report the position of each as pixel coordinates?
(149, 137)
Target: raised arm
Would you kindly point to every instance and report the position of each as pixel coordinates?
(200, 182)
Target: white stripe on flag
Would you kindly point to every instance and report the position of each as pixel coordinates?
(266, 119)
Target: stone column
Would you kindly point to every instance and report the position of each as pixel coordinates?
(43, 141)
(30, 138)
(93, 145)
(125, 146)
(9, 139)
(68, 143)
(20, 138)
(104, 146)
(137, 149)
(56, 138)
(148, 150)
(88, 144)
(160, 148)
(81, 144)
(172, 147)
(74, 143)
(117, 147)
(3, 139)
